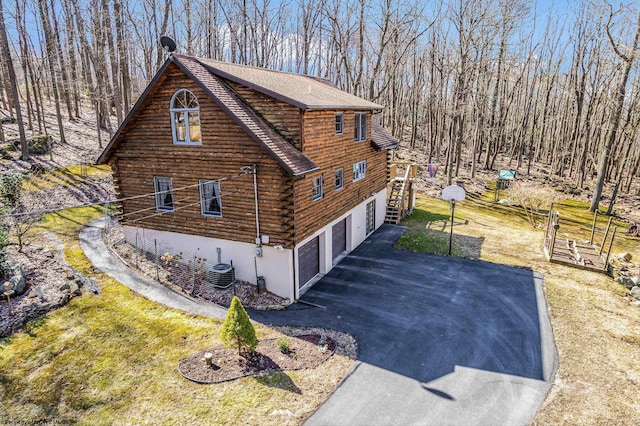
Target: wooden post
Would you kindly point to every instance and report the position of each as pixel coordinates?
(613, 236)
(155, 251)
(556, 226)
(606, 234)
(593, 226)
(546, 233)
(137, 248)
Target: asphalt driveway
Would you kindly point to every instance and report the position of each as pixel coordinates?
(442, 341)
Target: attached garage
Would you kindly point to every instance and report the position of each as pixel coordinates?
(309, 261)
(338, 238)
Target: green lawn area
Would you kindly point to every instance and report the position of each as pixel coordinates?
(112, 359)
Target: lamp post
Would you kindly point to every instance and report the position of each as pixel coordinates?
(8, 291)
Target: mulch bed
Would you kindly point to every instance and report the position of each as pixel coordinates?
(305, 351)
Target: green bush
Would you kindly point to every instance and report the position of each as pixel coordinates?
(284, 344)
(40, 144)
(237, 329)
(10, 188)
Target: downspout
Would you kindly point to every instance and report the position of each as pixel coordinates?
(255, 196)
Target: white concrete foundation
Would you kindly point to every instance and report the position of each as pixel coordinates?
(278, 266)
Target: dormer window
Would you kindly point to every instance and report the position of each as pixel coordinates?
(185, 118)
(360, 130)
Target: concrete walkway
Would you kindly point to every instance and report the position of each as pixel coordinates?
(96, 251)
(442, 341)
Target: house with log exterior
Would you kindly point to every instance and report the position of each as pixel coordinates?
(281, 174)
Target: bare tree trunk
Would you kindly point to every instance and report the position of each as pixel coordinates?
(628, 60)
(6, 53)
(44, 16)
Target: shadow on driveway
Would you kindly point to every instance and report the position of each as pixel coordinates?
(441, 340)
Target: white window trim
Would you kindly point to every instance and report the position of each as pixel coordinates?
(320, 181)
(216, 186)
(359, 170)
(159, 193)
(174, 110)
(360, 130)
(341, 170)
(341, 115)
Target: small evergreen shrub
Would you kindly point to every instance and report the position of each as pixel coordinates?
(237, 329)
(284, 344)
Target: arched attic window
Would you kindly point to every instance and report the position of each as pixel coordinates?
(185, 118)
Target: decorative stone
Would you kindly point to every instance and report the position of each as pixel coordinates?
(74, 290)
(64, 287)
(87, 283)
(627, 282)
(18, 282)
(635, 292)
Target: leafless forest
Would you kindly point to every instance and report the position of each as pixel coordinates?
(465, 82)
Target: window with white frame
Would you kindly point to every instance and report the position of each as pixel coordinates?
(210, 202)
(339, 178)
(185, 118)
(359, 170)
(339, 123)
(316, 188)
(360, 129)
(164, 193)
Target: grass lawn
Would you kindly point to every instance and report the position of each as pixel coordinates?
(594, 321)
(112, 359)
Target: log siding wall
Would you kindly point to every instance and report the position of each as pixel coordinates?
(287, 212)
(285, 118)
(147, 150)
(331, 152)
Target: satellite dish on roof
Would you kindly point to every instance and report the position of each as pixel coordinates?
(168, 44)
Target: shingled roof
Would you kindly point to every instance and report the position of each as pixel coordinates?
(381, 139)
(300, 90)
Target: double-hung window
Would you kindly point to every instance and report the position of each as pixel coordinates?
(339, 178)
(359, 170)
(164, 193)
(316, 188)
(210, 202)
(185, 118)
(339, 123)
(360, 129)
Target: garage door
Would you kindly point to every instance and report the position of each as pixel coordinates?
(309, 260)
(339, 238)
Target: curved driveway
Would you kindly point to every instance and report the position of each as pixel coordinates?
(442, 341)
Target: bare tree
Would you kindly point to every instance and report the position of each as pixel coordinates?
(628, 56)
(6, 57)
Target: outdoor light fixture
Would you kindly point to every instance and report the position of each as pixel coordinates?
(279, 247)
(8, 291)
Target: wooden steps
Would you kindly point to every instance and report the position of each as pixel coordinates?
(393, 202)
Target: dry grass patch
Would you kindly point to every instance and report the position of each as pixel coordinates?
(595, 322)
